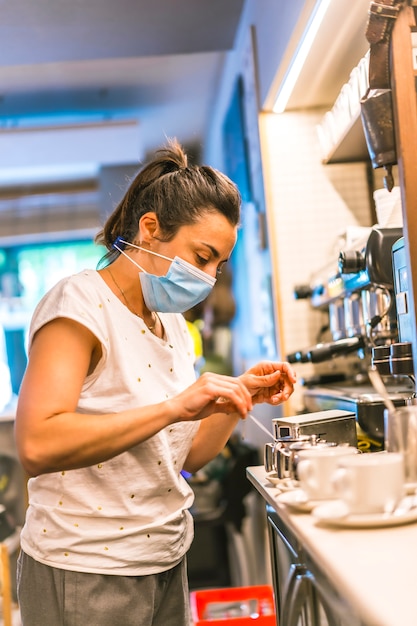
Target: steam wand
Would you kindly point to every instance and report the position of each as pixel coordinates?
(378, 384)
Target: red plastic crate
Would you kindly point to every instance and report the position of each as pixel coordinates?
(241, 605)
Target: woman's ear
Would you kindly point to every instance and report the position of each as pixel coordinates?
(148, 227)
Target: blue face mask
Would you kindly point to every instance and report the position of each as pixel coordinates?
(182, 287)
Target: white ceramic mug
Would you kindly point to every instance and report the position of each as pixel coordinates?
(370, 483)
(315, 468)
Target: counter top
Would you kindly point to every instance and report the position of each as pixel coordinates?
(374, 569)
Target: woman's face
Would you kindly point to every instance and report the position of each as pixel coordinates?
(206, 244)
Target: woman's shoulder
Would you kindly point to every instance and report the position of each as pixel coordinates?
(84, 283)
(78, 297)
(87, 276)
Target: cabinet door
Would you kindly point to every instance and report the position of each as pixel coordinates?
(284, 560)
(303, 597)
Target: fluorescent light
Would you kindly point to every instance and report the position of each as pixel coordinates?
(300, 56)
(42, 173)
(110, 142)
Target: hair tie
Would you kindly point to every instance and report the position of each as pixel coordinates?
(118, 243)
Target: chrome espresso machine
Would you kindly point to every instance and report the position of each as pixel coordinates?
(364, 294)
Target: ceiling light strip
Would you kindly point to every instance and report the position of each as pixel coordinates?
(300, 56)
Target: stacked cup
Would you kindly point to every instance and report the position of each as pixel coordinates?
(370, 484)
(315, 468)
(367, 484)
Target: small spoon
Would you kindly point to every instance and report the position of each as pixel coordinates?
(260, 425)
(378, 384)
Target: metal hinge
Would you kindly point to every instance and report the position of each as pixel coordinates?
(385, 11)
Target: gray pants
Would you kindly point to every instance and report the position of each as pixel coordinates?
(49, 596)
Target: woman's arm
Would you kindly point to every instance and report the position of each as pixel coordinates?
(52, 436)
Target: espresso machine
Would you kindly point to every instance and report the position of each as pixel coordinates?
(364, 294)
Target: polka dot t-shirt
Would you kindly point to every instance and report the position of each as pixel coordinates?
(128, 515)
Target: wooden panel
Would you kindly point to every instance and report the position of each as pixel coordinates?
(405, 109)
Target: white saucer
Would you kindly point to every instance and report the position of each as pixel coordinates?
(283, 484)
(335, 513)
(297, 500)
(272, 477)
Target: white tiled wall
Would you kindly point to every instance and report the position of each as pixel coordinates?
(309, 205)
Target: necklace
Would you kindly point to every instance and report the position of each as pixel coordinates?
(155, 317)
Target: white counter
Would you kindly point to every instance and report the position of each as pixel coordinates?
(375, 569)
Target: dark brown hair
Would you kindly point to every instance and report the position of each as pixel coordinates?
(177, 193)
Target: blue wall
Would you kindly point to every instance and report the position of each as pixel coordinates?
(266, 20)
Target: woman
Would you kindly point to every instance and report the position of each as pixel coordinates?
(110, 411)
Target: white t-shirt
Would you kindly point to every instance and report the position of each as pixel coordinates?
(128, 515)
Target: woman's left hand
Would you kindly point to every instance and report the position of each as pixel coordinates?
(269, 382)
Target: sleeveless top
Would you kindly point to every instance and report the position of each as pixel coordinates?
(128, 515)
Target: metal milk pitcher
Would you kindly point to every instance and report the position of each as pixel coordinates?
(277, 455)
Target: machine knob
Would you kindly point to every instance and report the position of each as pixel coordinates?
(381, 359)
(302, 292)
(401, 359)
(351, 262)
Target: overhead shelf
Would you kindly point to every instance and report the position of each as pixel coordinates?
(351, 146)
(341, 133)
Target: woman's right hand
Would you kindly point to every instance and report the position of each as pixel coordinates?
(211, 393)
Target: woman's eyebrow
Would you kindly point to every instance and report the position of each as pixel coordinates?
(212, 249)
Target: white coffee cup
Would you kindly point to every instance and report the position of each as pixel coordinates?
(315, 468)
(370, 483)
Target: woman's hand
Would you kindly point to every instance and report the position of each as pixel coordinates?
(226, 399)
(214, 393)
(269, 382)
(211, 393)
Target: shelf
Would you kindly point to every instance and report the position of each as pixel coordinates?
(352, 145)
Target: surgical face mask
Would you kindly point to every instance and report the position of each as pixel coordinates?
(182, 287)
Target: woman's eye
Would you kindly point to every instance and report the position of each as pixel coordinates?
(201, 260)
